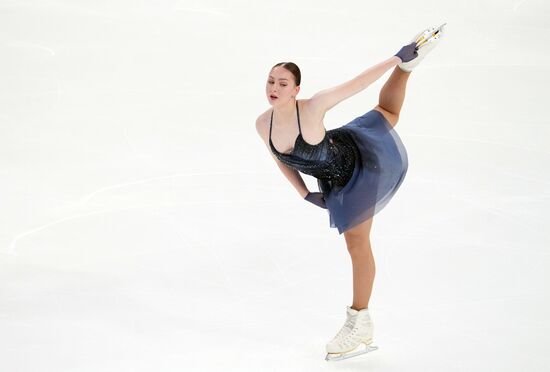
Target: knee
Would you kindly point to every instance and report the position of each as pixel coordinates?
(391, 117)
(360, 248)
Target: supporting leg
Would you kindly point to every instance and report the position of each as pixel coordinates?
(359, 248)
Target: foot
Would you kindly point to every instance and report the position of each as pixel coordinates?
(425, 41)
(358, 329)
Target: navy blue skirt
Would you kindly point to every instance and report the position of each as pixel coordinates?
(379, 171)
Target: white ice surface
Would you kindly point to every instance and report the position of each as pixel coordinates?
(145, 227)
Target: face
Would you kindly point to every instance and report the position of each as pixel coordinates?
(280, 86)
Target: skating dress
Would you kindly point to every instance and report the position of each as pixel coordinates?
(358, 167)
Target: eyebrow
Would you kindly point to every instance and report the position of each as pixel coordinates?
(279, 78)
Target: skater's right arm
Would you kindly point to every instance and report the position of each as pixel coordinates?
(292, 175)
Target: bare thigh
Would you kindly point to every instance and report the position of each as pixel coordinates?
(358, 234)
(390, 117)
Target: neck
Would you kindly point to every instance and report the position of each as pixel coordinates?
(287, 111)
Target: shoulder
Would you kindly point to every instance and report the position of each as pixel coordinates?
(262, 124)
(262, 120)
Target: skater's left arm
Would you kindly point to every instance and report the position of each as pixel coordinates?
(326, 99)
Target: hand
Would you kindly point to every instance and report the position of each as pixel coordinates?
(316, 198)
(408, 52)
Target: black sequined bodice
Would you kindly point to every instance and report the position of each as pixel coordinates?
(332, 159)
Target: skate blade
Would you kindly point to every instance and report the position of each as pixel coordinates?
(434, 34)
(342, 356)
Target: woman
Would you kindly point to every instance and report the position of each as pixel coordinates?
(358, 166)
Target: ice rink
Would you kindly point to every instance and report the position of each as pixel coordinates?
(145, 226)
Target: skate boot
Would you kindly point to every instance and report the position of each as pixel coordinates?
(357, 330)
(425, 42)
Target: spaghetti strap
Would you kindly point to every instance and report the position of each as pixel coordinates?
(299, 126)
(298, 114)
(270, 124)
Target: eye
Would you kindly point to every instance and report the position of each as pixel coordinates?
(284, 85)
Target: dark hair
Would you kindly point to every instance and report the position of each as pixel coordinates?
(294, 70)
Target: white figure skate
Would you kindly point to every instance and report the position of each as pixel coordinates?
(357, 330)
(425, 42)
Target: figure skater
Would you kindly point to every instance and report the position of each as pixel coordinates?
(358, 166)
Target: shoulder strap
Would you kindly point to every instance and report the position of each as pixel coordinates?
(298, 114)
(270, 124)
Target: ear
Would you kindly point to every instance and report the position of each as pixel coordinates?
(297, 89)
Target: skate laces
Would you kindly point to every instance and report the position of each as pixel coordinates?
(350, 329)
(346, 329)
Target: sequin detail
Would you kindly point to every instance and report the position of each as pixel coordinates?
(331, 161)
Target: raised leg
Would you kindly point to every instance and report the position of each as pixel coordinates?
(392, 95)
(358, 244)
